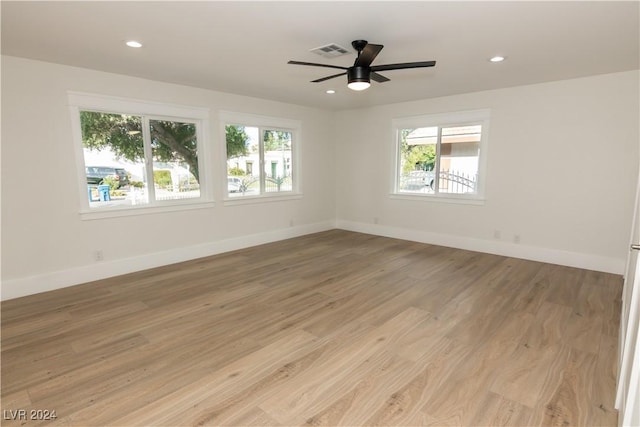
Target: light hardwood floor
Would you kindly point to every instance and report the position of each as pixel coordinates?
(335, 328)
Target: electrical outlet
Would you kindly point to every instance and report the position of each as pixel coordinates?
(98, 255)
(516, 238)
(291, 223)
(497, 234)
(376, 220)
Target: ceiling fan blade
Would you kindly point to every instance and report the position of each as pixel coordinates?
(313, 64)
(403, 66)
(327, 78)
(368, 54)
(378, 77)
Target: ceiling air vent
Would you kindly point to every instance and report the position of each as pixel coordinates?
(330, 51)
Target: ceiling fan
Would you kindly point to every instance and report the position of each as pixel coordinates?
(359, 75)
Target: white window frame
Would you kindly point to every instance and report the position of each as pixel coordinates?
(263, 123)
(79, 101)
(462, 118)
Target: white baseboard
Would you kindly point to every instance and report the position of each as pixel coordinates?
(533, 253)
(15, 288)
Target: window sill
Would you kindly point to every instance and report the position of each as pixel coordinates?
(142, 210)
(455, 199)
(247, 200)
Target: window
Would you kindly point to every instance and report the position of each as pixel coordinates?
(261, 156)
(441, 155)
(136, 154)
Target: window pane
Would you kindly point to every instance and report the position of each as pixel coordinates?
(459, 153)
(174, 147)
(277, 161)
(243, 158)
(417, 160)
(113, 151)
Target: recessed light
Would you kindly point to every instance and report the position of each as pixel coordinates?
(497, 59)
(331, 91)
(133, 43)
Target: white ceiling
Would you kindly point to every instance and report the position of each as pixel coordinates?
(243, 47)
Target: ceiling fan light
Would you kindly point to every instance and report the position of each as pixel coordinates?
(358, 85)
(358, 78)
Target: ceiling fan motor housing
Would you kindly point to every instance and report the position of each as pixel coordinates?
(359, 45)
(358, 74)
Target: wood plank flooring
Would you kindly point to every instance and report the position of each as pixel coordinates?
(334, 328)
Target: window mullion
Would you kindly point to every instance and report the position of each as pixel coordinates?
(436, 185)
(148, 159)
(291, 159)
(263, 172)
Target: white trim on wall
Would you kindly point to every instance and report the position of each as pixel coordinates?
(532, 253)
(458, 118)
(21, 287)
(60, 279)
(199, 116)
(276, 123)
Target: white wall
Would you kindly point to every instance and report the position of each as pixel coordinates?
(45, 244)
(561, 173)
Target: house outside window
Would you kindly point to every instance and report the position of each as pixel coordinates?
(441, 156)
